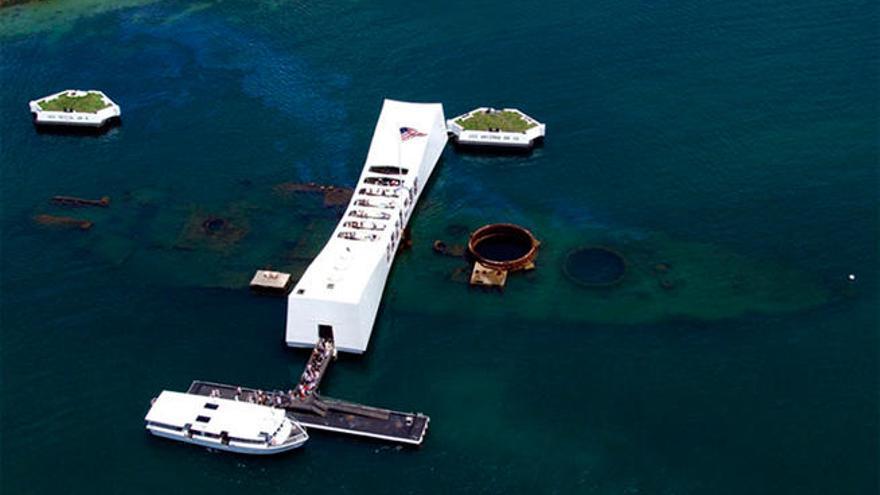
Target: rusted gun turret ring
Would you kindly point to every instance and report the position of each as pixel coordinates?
(504, 246)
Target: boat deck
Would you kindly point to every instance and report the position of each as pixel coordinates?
(329, 414)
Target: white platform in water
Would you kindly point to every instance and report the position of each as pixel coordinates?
(270, 280)
(340, 292)
(223, 424)
(496, 138)
(80, 119)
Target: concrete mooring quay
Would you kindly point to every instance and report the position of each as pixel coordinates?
(311, 410)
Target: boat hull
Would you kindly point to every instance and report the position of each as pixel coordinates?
(230, 447)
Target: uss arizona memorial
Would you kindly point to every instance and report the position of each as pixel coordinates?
(339, 294)
(332, 307)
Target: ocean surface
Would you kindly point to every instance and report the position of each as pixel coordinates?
(728, 150)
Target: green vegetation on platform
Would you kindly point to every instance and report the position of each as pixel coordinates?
(89, 103)
(505, 120)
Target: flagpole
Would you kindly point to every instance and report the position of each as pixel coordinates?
(399, 141)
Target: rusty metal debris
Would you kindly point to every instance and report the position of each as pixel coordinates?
(64, 222)
(661, 267)
(498, 249)
(70, 222)
(337, 196)
(487, 276)
(333, 195)
(405, 240)
(291, 187)
(213, 225)
(461, 274)
(455, 250)
(504, 246)
(457, 230)
(214, 232)
(104, 202)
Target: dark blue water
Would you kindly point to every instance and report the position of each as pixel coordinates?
(596, 266)
(735, 143)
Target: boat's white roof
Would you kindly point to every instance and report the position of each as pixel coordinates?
(343, 268)
(238, 419)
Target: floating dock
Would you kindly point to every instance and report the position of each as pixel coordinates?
(488, 277)
(270, 281)
(330, 414)
(311, 410)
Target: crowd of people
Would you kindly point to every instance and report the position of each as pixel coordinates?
(378, 204)
(372, 191)
(382, 181)
(354, 236)
(364, 225)
(272, 398)
(306, 387)
(308, 382)
(381, 215)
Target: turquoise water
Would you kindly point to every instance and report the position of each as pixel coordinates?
(735, 143)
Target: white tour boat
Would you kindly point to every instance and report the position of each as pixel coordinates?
(339, 294)
(224, 424)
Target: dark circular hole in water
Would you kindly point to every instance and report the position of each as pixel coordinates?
(213, 225)
(595, 266)
(505, 246)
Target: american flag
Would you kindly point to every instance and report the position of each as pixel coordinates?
(407, 133)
